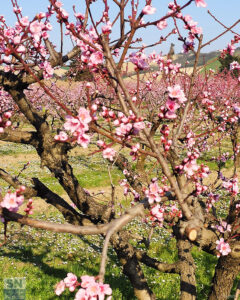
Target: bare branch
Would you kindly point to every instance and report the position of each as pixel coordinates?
(19, 136)
(155, 264)
(217, 37)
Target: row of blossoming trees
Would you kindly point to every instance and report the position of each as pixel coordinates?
(172, 120)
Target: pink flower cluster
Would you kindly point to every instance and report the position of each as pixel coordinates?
(223, 247)
(176, 97)
(12, 201)
(234, 66)
(4, 121)
(139, 59)
(154, 192)
(108, 152)
(231, 185)
(211, 200)
(230, 47)
(127, 126)
(47, 69)
(164, 138)
(78, 126)
(167, 66)
(174, 211)
(107, 28)
(157, 214)
(189, 164)
(90, 289)
(223, 227)
(24, 33)
(149, 10)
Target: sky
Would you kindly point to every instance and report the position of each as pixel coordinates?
(227, 11)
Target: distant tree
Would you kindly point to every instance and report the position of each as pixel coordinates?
(226, 62)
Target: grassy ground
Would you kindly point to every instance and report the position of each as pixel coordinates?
(44, 258)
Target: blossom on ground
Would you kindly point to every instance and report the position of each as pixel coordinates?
(223, 247)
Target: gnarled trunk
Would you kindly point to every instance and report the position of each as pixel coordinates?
(227, 269)
(187, 273)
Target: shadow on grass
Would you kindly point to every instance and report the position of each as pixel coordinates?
(119, 283)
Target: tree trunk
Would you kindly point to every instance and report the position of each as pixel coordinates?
(131, 266)
(187, 273)
(226, 271)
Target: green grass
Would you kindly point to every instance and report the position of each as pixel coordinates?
(213, 65)
(45, 258)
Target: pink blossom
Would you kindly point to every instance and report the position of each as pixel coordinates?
(124, 129)
(234, 65)
(21, 49)
(82, 139)
(139, 59)
(17, 39)
(60, 287)
(12, 201)
(190, 167)
(35, 27)
(200, 3)
(84, 115)
(149, 10)
(172, 105)
(170, 115)
(223, 247)
(162, 24)
(81, 295)
(136, 147)
(177, 93)
(157, 212)
(86, 281)
(139, 125)
(24, 21)
(153, 193)
(58, 4)
(107, 28)
(109, 153)
(71, 281)
(96, 58)
(62, 136)
(71, 124)
(105, 289)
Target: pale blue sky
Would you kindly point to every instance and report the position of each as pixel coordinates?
(228, 11)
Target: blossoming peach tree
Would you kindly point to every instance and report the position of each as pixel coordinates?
(166, 119)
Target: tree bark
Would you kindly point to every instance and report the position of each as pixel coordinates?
(226, 271)
(131, 266)
(187, 271)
